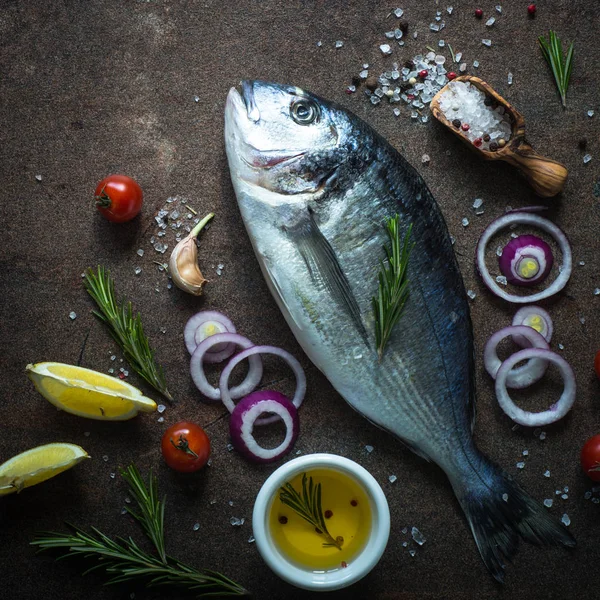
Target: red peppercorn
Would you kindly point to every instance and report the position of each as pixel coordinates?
(121, 375)
(344, 564)
(451, 75)
(465, 127)
(478, 13)
(531, 10)
(477, 142)
(423, 73)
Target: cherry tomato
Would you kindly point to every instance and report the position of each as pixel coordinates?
(590, 458)
(597, 364)
(185, 447)
(119, 198)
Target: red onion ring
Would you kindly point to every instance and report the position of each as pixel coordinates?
(523, 376)
(525, 218)
(526, 247)
(253, 376)
(245, 415)
(192, 329)
(521, 318)
(227, 396)
(556, 411)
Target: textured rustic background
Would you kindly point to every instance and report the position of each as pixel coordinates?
(91, 88)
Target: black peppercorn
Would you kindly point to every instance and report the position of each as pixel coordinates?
(583, 143)
(403, 26)
(409, 64)
(486, 138)
(456, 123)
(371, 83)
(356, 81)
(493, 146)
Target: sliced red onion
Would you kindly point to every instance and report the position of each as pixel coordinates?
(245, 416)
(526, 260)
(227, 395)
(205, 324)
(253, 376)
(525, 218)
(556, 411)
(519, 377)
(536, 318)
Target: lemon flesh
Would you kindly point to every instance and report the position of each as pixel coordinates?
(87, 393)
(38, 464)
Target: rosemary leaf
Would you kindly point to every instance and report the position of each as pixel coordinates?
(126, 329)
(123, 560)
(393, 284)
(308, 506)
(560, 65)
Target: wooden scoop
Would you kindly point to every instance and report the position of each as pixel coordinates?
(546, 176)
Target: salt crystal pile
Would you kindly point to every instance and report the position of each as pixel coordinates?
(467, 107)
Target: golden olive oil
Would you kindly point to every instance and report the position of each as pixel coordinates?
(347, 513)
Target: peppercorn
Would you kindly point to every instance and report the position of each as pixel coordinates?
(283, 519)
(451, 75)
(371, 83)
(486, 137)
(423, 73)
(456, 123)
(488, 101)
(409, 64)
(403, 27)
(531, 10)
(493, 146)
(328, 514)
(356, 80)
(412, 81)
(477, 142)
(501, 142)
(583, 143)
(354, 502)
(465, 127)
(478, 13)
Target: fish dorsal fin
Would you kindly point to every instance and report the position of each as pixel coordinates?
(325, 269)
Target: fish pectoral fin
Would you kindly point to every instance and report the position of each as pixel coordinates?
(325, 269)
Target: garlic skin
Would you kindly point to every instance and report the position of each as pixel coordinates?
(183, 264)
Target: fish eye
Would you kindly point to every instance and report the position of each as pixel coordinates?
(304, 111)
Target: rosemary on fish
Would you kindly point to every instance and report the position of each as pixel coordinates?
(561, 66)
(123, 560)
(393, 283)
(126, 329)
(308, 506)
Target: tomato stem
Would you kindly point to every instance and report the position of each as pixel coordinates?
(103, 199)
(184, 446)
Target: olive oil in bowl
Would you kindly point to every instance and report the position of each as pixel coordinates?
(321, 522)
(347, 515)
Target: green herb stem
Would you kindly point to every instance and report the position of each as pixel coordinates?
(123, 560)
(561, 66)
(393, 283)
(126, 329)
(308, 506)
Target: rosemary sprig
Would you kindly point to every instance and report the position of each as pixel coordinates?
(393, 283)
(124, 560)
(126, 329)
(561, 66)
(308, 506)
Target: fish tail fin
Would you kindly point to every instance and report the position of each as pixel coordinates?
(500, 512)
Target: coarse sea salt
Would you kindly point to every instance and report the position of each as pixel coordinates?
(466, 103)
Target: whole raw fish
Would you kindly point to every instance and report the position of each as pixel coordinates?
(314, 184)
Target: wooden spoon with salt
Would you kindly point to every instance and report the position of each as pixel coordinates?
(546, 176)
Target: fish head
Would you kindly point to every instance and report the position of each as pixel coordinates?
(285, 140)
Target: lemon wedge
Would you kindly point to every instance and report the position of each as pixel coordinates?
(87, 393)
(37, 465)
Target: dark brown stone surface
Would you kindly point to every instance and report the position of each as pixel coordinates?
(91, 88)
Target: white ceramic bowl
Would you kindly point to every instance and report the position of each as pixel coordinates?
(361, 564)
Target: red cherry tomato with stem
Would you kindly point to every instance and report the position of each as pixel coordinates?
(590, 458)
(119, 198)
(185, 447)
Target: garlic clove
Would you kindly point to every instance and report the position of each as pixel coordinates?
(183, 264)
